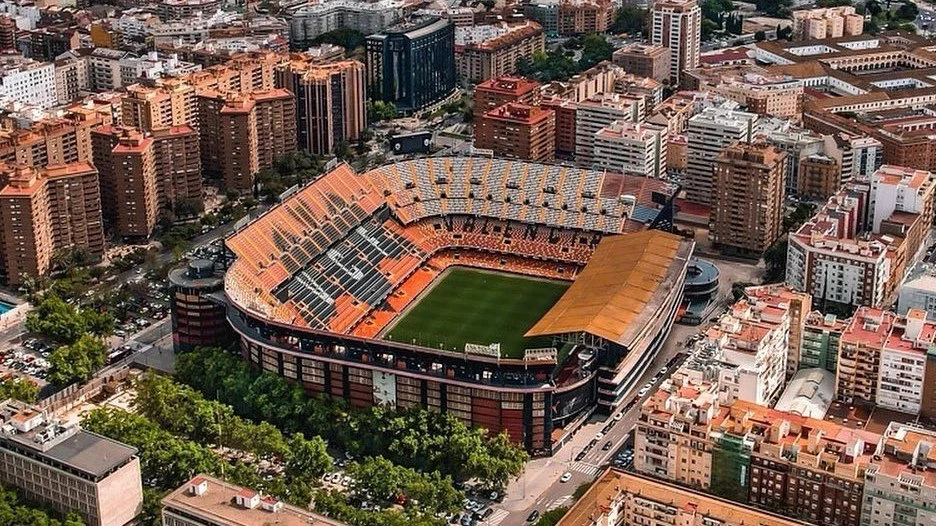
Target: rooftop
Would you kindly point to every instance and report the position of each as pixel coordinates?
(214, 501)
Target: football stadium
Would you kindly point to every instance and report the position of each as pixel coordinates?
(514, 295)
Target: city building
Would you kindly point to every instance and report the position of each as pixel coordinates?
(44, 211)
(207, 501)
(27, 82)
(918, 290)
(600, 111)
(185, 9)
(244, 133)
(46, 43)
(819, 176)
(144, 174)
(747, 198)
(632, 148)
(677, 26)
(857, 156)
(571, 17)
(331, 104)
(775, 95)
(565, 125)
(799, 145)
(496, 92)
(68, 469)
(708, 133)
(822, 335)
(799, 467)
(829, 22)
(412, 65)
(644, 60)
(620, 497)
(196, 320)
(900, 486)
(860, 354)
(310, 21)
(519, 131)
(484, 52)
(903, 363)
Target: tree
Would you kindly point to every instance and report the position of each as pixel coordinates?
(907, 11)
(378, 110)
(760, 36)
(188, 207)
(708, 28)
(98, 323)
(14, 511)
(595, 48)
(77, 361)
(307, 457)
(833, 3)
(57, 320)
(775, 259)
(345, 37)
(21, 389)
(630, 19)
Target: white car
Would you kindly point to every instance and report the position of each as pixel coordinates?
(599, 435)
(565, 477)
(618, 416)
(643, 391)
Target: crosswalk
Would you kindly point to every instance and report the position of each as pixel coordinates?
(558, 503)
(496, 518)
(586, 468)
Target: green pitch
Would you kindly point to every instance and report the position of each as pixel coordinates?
(473, 306)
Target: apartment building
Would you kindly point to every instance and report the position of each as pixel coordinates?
(708, 133)
(45, 210)
(802, 468)
(49, 142)
(918, 290)
(481, 55)
(519, 131)
(310, 21)
(135, 185)
(747, 200)
(207, 501)
(860, 354)
(755, 340)
(565, 124)
(600, 111)
(830, 22)
(46, 43)
(903, 363)
(677, 26)
(185, 9)
(644, 60)
(858, 156)
(68, 469)
(822, 335)
(900, 484)
(498, 91)
(773, 95)
(27, 81)
(178, 165)
(819, 176)
(632, 148)
(331, 103)
(170, 104)
(578, 17)
(619, 497)
(242, 134)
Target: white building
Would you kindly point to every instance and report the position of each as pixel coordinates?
(857, 155)
(632, 148)
(809, 393)
(903, 363)
(918, 290)
(899, 189)
(677, 25)
(27, 81)
(26, 15)
(598, 112)
(310, 21)
(799, 145)
(900, 484)
(710, 132)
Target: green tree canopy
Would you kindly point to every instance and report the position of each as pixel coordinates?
(630, 19)
(77, 361)
(21, 389)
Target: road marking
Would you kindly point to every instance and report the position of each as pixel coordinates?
(586, 468)
(558, 502)
(496, 518)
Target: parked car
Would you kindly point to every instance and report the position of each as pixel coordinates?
(567, 476)
(533, 516)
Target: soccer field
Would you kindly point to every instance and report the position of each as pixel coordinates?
(473, 306)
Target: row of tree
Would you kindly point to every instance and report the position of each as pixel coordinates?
(425, 441)
(14, 511)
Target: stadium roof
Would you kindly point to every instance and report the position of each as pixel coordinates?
(614, 287)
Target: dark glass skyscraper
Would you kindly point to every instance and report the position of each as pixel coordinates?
(412, 65)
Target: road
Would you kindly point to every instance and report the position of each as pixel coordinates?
(539, 487)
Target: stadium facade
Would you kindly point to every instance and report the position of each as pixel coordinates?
(318, 280)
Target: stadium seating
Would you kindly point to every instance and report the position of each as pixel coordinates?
(348, 252)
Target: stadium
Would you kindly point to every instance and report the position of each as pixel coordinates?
(517, 296)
